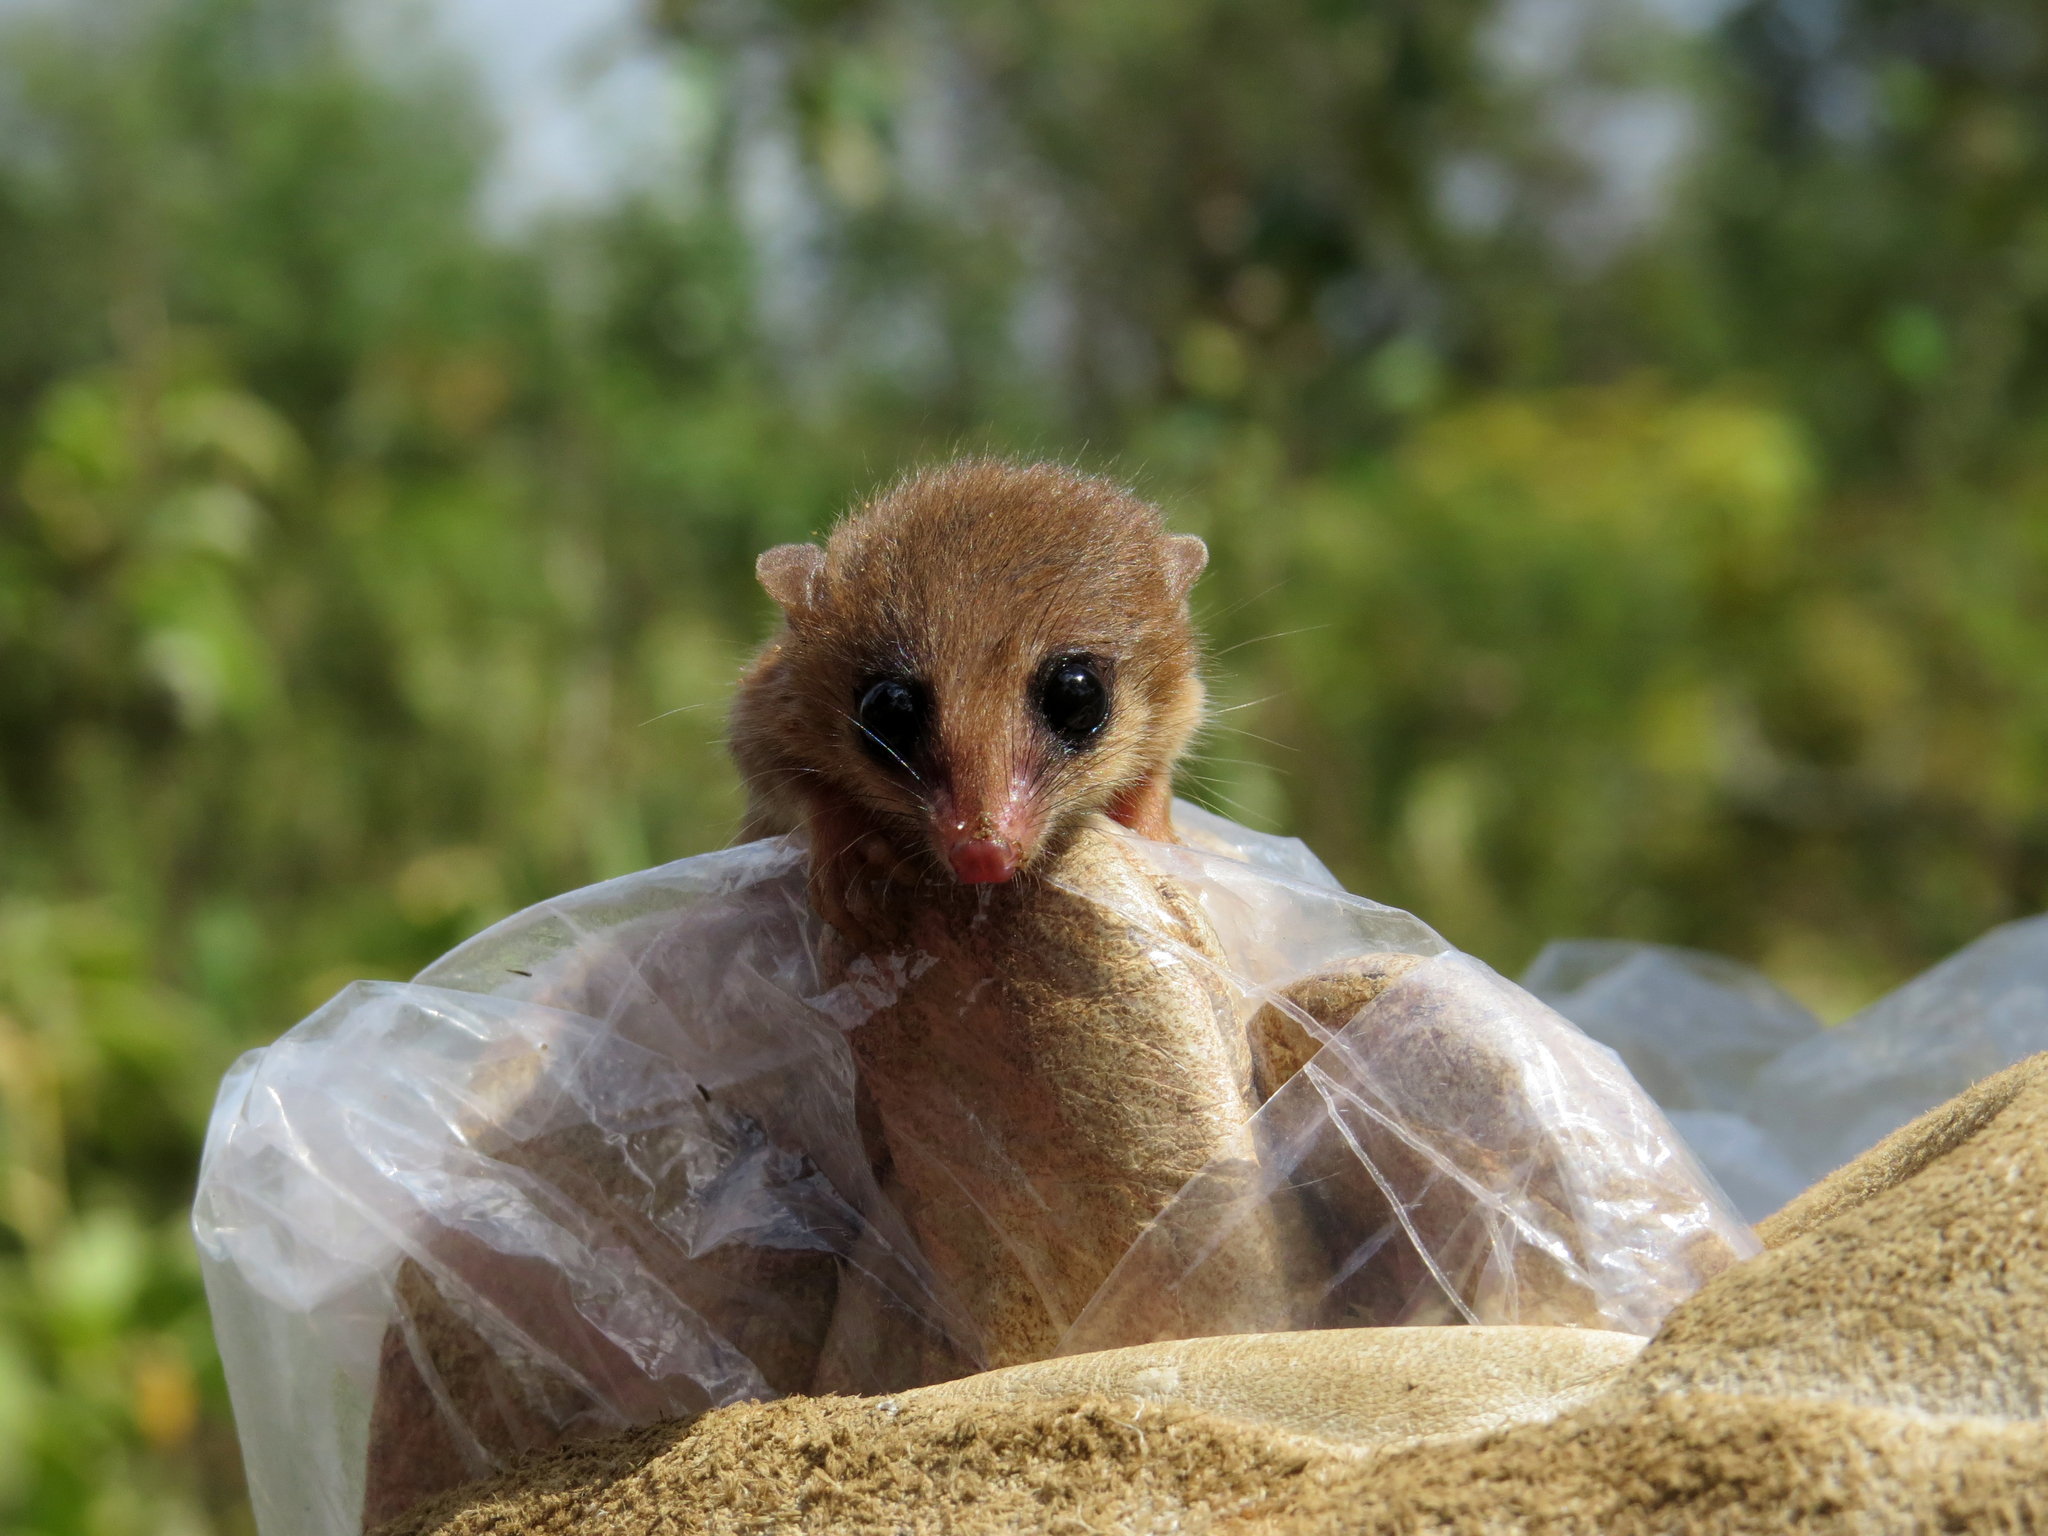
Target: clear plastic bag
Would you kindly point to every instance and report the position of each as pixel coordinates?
(662, 1145)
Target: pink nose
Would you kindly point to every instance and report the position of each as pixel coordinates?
(982, 861)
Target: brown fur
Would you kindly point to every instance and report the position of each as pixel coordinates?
(968, 577)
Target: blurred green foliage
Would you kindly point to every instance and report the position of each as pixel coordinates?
(1597, 549)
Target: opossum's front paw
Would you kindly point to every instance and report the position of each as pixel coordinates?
(857, 891)
(838, 895)
(846, 851)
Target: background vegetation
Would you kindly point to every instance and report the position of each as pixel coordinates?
(1621, 427)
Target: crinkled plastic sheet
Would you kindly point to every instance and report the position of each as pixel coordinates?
(609, 1163)
(1768, 1099)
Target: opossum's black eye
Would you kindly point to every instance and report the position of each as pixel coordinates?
(1073, 699)
(893, 714)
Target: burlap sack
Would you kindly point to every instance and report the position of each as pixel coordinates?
(1884, 1366)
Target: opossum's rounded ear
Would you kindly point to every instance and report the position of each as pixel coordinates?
(1185, 557)
(790, 574)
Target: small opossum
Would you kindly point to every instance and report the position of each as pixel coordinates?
(974, 663)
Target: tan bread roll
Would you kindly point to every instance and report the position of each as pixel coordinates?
(1485, 1125)
(1049, 1078)
(527, 1370)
